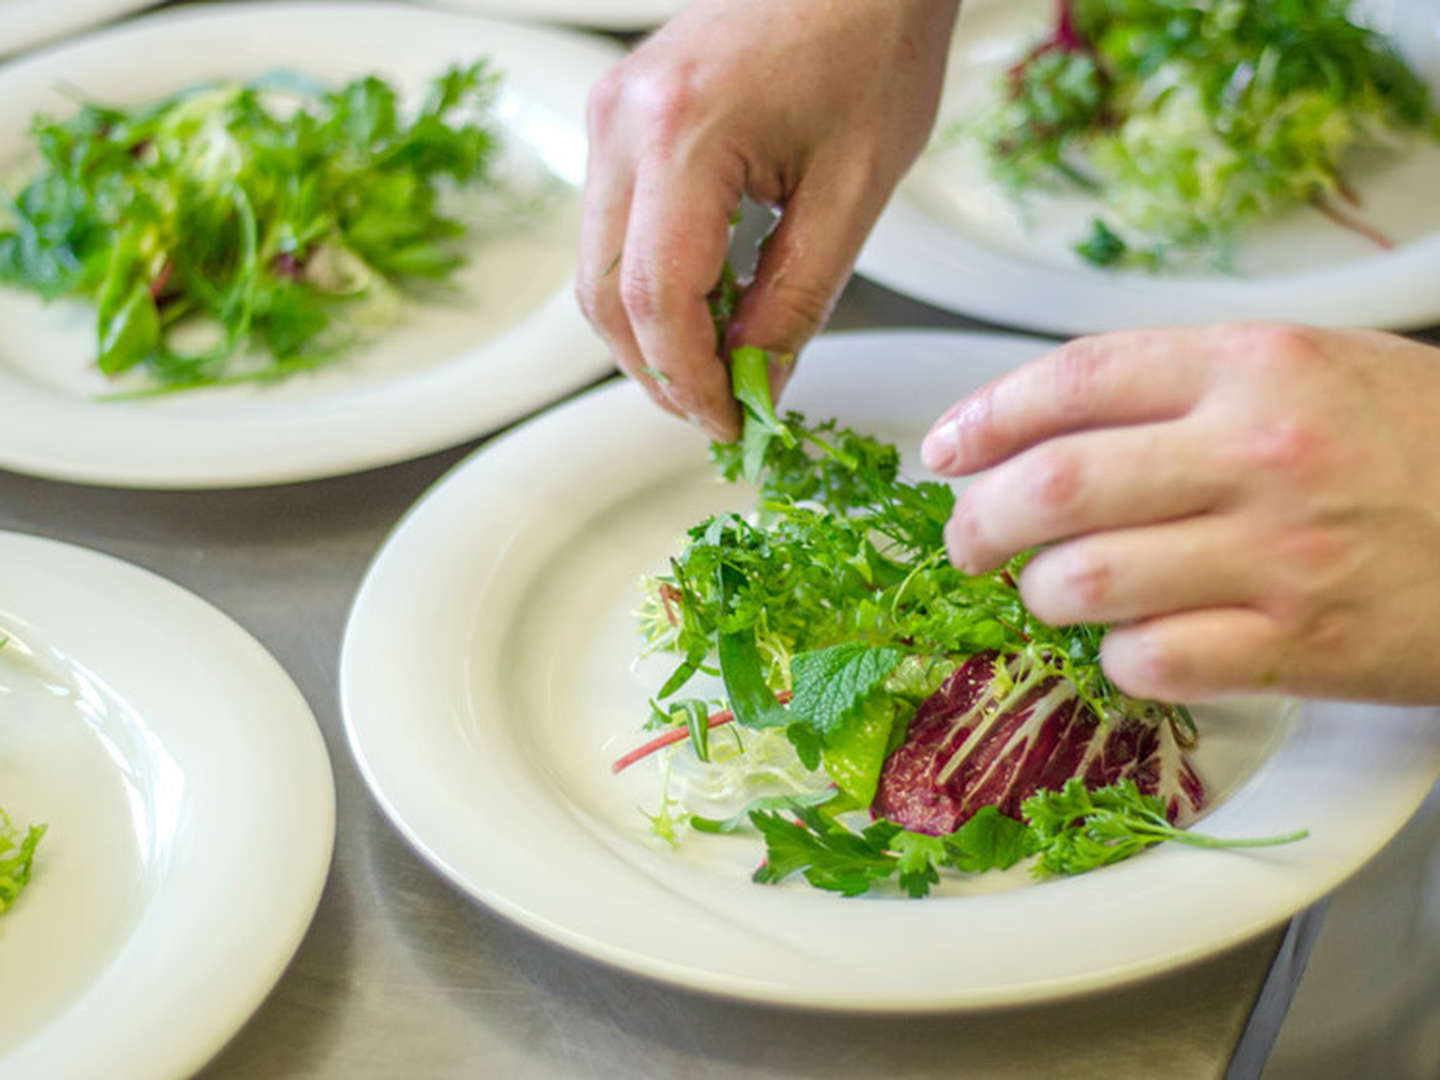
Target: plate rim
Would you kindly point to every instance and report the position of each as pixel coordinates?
(59, 20)
(629, 15)
(754, 990)
(297, 882)
(354, 428)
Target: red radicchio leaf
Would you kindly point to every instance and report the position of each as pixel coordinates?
(993, 736)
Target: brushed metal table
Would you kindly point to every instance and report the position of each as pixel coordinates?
(400, 976)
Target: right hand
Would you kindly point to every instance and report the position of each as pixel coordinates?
(814, 107)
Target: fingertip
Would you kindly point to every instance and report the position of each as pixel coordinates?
(941, 446)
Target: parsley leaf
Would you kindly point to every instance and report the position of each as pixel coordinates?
(1075, 830)
(828, 854)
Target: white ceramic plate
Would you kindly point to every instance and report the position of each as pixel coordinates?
(512, 340)
(607, 14)
(954, 238)
(24, 23)
(190, 809)
(488, 682)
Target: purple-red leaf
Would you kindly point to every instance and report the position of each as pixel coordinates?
(996, 732)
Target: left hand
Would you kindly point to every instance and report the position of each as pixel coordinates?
(1254, 506)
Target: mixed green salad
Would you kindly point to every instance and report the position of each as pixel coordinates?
(247, 231)
(17, 849)
(1189, 119)
(866, 677)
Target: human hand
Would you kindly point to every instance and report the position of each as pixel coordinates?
(810, 106)
(1255, 506)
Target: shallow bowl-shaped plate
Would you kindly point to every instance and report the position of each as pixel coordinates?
(190, 810)
(511, 339)
(488, 683)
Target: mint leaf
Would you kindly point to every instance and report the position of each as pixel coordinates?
(807, 745)
(831, 684)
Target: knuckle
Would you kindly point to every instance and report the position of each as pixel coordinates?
(1330, 628)
(1056, 479)
(663, 100)
(805, 305)
(1281, 349)
(1315, 552)
(643, 291)
(1286, 446)
(604, 99)
(1088, 577)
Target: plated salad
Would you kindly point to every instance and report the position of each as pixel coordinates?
(246, 231)
(886, 718)
(1190, 119)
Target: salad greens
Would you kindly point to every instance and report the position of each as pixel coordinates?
(17, 856)
(863, 672)
(17, 851)
(1072, 831)
(1192, 118)
(275, 216)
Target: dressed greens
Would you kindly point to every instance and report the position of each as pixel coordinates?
(863, 672)
(1190, 119)
(273, 217)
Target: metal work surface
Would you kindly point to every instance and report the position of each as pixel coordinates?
(401, 976)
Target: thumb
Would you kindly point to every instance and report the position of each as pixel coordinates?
(804, 263)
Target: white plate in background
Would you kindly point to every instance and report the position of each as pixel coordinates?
(487, 684)
(954, 238)
(511, 341)
(24, 23)
(602, 14)
(190, 809)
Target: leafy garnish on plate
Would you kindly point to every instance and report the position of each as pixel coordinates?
(972, 733)
(1189, 121)
(275, 219)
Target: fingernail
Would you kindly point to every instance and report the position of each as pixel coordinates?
(941, 445)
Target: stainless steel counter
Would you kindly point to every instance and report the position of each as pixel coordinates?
(401, 976)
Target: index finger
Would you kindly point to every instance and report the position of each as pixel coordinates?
(674, 251)
(1122, 378)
